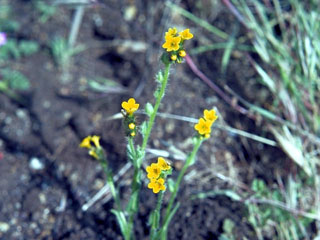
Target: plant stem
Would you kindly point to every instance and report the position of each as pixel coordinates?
(104, 163)
(155, 110)
(135, 186)
(156, 216)
(136, 158)
(134, 197)
(132, 150)
(189, 160)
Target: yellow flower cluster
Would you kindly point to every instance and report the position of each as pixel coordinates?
(155, 175)
(204, 124)
(174, 43)
(129, 108)
(86, 143)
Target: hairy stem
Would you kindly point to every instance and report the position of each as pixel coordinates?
(189, 160)
(156, 216)
(155, 110)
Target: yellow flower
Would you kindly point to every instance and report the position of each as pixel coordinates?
(172, 43)
(162, 163)
(131, 106)
(203, 127)
(157, 185)
(153, 171)
(210, 116)
(95, 139)
(172, 32)
(131, 126)
(86, 142)
(173, 57)
(93, 154)
(132, 134)
(182, 53)
(185, 34)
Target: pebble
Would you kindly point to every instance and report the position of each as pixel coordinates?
(36, 164)
(46, 104)
(21, 113)
(170, 127)
(42, 198)
(98, 184)
(4, 227)
(130, 13)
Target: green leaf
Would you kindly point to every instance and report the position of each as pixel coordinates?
(229, 193)
(193, 160)
(143, 128)
(258, 186)
(227, 53)
(10, 50)
(150, 219)
(165, 59)
(195, 140)
(228, 226)
(15, 79)
(149, 109)
(164, 228)
(140, 156)
(28, 47)
(45, 10)
(130, 153)
(171, 184)
(121, 219)
(156, 218)
(77, 49)
(156, 93)
(3, 86)
(159, 77)
(133, 202)
(104, 85)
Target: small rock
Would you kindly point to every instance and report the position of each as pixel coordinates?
(63, 204)
(4, 227)
(130, 13)
(42, 198)
(98, 184)
(170, 127)
(36, 164)
(21, 113)
(67, 115)
(33, 225)
(46, 104)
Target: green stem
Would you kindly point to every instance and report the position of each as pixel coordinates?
(135, 186)
(155, 111)
(137, 158)
(132, 150)
(104, 163)
(156, 216)
(134, 198)
(189, 160)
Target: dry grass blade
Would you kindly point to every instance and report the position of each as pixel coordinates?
(292, 147)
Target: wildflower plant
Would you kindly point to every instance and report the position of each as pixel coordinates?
(156, 173)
